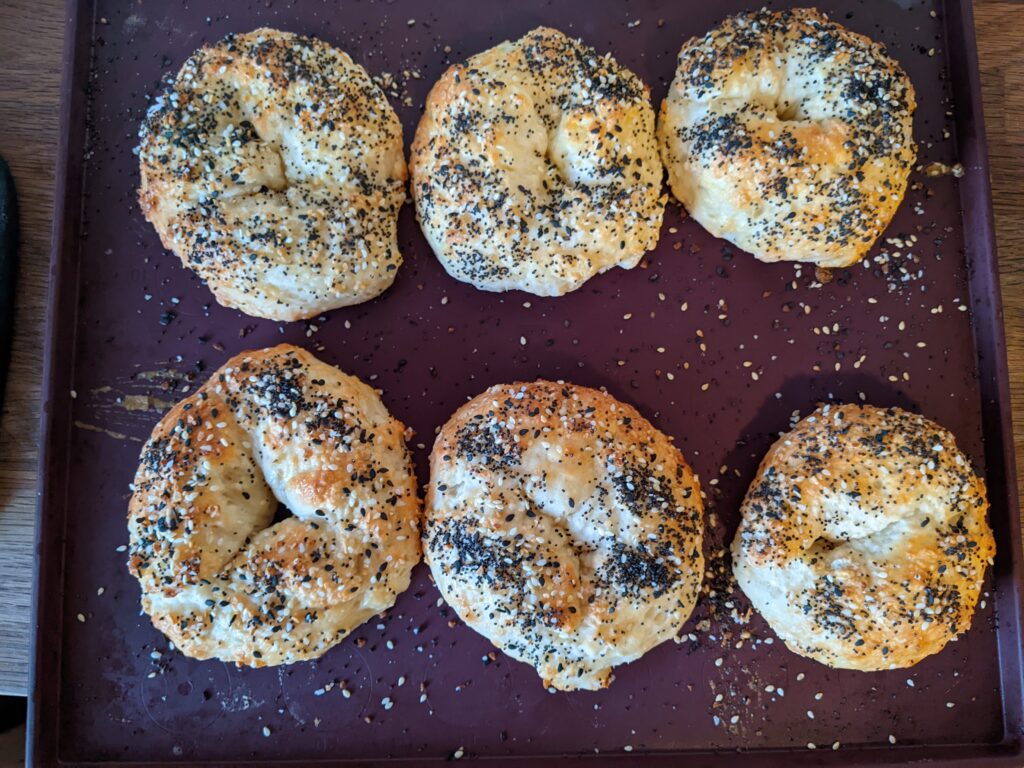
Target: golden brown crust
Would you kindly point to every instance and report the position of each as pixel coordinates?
(789, 135)
(864, 538)
(272, 425)
(564, 527)
(535, 166)
(273, 166)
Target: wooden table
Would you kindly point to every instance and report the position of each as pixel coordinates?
(31, 36)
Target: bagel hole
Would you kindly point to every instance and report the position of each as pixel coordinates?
(274, 172)
(551, 160)
(281, 513)
(787, 111)
(821, 547)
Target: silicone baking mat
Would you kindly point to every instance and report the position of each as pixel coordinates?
(718, 350)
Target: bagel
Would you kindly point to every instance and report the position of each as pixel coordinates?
(273, 167)
(535, 167)
(863, 541)
(789, 136)
(563, 527)
(218, 577)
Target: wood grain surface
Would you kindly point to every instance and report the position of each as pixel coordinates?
(31, 37)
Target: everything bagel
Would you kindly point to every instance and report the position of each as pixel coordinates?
(864, 541)
(217, 577)
(273, 167)
(563, 527)
(789, 135)
(535, 167)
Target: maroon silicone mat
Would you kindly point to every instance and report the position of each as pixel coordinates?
(716, 348)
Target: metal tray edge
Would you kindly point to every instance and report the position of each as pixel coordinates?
(41, 738)
(990, 342)
(996, 418)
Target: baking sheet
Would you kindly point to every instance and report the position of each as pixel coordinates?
(717, 349)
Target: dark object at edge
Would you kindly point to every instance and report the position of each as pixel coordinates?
(8, 268)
